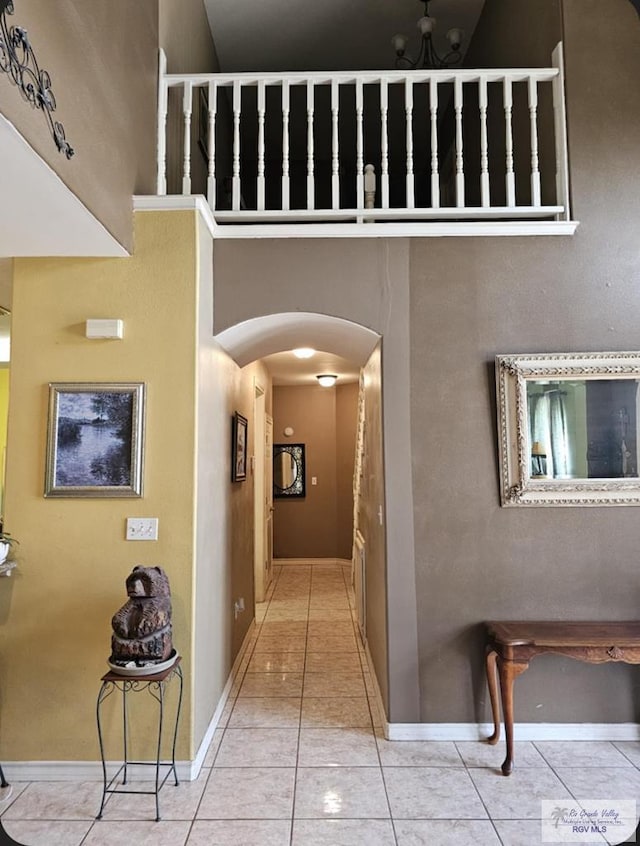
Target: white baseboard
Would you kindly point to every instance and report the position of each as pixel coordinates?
(522, 731)
(311, 562)
(480, 731)
(196, 764)
(79, 771)
(92, 770)
(382, 717)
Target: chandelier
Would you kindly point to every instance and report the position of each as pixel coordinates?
(428, 57)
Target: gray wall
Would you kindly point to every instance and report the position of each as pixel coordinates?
(106, 94)
(471, 299)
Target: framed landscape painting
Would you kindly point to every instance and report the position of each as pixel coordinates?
(238, 448)
(94, 439)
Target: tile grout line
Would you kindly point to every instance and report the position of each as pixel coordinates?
(304, 667)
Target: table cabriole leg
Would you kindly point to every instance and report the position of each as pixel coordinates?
(507, 671)
(492, 681)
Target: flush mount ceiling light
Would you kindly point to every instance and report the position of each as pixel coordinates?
(428, 57)
(304, 352)
(327, 380)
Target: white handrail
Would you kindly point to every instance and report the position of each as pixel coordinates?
(461, 144)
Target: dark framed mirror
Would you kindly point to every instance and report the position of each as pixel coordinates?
(288, 470)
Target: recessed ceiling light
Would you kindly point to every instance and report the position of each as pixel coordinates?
(304, 352)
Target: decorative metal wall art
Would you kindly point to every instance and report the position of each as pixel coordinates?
(19, 62)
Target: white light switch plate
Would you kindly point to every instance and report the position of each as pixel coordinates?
(142, 528)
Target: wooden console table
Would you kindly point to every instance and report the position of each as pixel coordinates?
(511, 645)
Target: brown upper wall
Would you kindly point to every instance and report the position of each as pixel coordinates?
(306, 527)
(510, 25)
(186, 38)
(474, 298)
(102, 58)
(324, 419)
(515, 34)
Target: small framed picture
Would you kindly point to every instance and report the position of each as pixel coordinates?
(94, 439)
(239, 448)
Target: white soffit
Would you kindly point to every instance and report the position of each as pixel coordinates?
(39, 215)
(245, 342)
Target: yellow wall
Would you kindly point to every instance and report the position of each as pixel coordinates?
(55, 613)
(4, 408)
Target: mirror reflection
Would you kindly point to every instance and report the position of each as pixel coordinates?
(288, 470)
(284, 470)
(583, 429)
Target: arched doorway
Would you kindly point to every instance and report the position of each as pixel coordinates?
(275, 336)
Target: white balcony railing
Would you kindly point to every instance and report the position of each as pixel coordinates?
(455, 145)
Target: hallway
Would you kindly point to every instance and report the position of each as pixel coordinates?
(299, 758)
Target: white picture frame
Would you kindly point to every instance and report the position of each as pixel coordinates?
(604, 444)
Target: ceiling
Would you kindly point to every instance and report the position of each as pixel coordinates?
(286, 369)
(342, 347)
(285, 35)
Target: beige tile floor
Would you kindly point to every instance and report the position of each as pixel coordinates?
(299, 759)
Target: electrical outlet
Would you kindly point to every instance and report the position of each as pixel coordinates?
(142, 528)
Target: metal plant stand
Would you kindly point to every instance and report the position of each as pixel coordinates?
(155, 685)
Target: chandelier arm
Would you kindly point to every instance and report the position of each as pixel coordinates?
(405, 63)
(453, 57)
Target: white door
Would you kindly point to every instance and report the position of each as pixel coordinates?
(268, 499)
(259, 481)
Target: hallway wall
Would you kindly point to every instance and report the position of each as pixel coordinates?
(346, 426)
(306, 527)
(224, 515)
(319, 525)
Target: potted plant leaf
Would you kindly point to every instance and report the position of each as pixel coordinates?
(7, 547)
